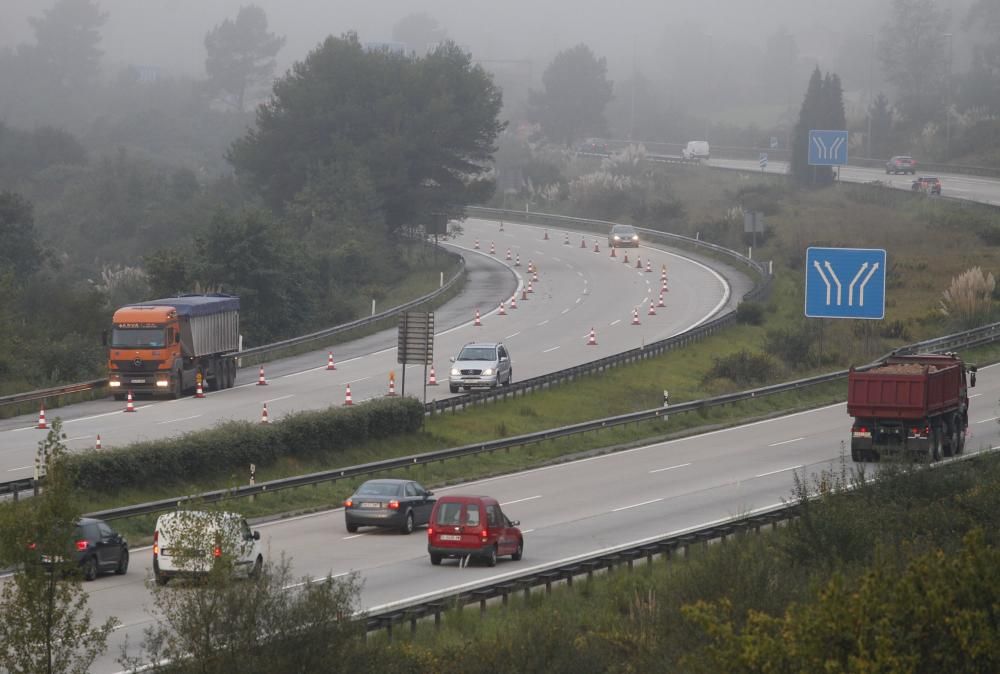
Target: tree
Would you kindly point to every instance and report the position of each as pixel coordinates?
(881, 114)
(912, 51)
(420, 32)
(982, 86)
(67, 38)
(241, 54)
(575, 94)
(20, 252)
(46, 624)
(423, 128)
(822, 108)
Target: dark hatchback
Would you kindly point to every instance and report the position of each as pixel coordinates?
(96, 548)
(392, 503)
(623, 235)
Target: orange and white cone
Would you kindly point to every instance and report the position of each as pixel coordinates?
(613, 252)
(546, 237)
(517, 260)
(509, 256)
(531, 267)
(660, 303)
(649, 267)
(493, 248)
(566, 242)
(652, 310)
(476, 247)
(263, 415)
(592, 340)
(432, 380)
(638, 262)
(348, 401)
(663, 274)
(513, 302)
(583, 243)
(597, 248)
(530, 289)
(329, 361)
(664, 288)
(199, 392)
(534, 277)
(524, 293)
(392, 385)
(42, 424)
(635, 316)
(260, 377)
(502, 312)
(625, 258)
(97, 445)
(129, 405)
(477, 322)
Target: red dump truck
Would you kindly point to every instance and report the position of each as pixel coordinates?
(161, 346)
(916, 404)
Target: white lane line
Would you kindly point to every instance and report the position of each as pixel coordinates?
(347, 538)
(565, 311)
(79, 437)
(314, 580)
(539, 252)
(272, 400)
(660, 470)
(355, 381)
(543, 322)
(578, 299)
(785, 442)
(783, 470)
(985, 420)
(552, 349)
(11, 470)
(520, 500)
(615, 323)
(526, 531)
(637, 505)
(580, 274)
(975, 395)
(173, 421)
(121, 626)
(557, 259)
(513, 336)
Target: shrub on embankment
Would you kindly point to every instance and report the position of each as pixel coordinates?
(234, 445)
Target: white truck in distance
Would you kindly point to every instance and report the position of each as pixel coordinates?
(695, 150)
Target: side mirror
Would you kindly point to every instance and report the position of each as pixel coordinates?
(104, 338)
(428, 493)
(256, 535)
(515, 523)
(452, 359)
(972, 379)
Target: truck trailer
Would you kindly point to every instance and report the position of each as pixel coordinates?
(917, 405)
(162, 346)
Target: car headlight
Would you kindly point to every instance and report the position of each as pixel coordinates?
(635, 237)
(488, 371)
(455, 371)
(617, 238)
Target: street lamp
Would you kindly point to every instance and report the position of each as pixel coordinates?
(871, 68)
(947, 111)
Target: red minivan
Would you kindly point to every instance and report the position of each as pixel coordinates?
(464, 526)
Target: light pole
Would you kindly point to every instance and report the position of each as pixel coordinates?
(871, 68)
(947, 111)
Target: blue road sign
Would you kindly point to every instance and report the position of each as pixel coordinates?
(827, 148)
(774, 142)
(845, 283)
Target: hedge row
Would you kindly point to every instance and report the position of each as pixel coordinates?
(230, 447)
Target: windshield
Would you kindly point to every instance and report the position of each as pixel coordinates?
(138, 338)
(478, 353)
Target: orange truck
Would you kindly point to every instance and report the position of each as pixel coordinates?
(162, 346)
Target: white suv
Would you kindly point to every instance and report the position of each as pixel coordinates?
(191, 542)
(480, 365)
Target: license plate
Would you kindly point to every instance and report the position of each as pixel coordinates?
(450, 537)
(138, 381)
(371, 505)
(50, 559)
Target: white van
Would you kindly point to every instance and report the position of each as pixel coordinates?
(696, 149)
(190, 542)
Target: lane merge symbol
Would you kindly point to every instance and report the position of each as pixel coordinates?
(827, 148)
(845, 283)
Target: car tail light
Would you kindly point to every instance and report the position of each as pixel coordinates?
(81, 545)
(217, 551)
(485, 534)
(393, 505)
(32, 546)
(430, 532)
(156, 542)
(348, 503)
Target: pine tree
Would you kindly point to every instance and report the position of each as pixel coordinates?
(822, 108)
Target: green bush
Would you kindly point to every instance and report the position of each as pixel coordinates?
(233, 445)
(744, 368)
(750, 313)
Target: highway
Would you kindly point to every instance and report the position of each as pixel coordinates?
(577, 289)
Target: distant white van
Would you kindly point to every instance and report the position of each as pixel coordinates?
(190, 542)
(696, 149)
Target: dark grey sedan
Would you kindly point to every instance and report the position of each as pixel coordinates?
(398, 504)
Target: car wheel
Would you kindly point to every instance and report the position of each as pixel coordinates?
(257, 566)
(408, 523)
(519, 552)
(352, 528)
(162, 580)
(510, 376)
(453, 389)
(122, 567)
(491, 557)
(90, 568)
(435, 559)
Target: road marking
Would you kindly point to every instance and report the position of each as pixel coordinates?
(513, 336)
(171, 421)
(355, 381)
(347, 538)
(526, 531)
(578, 299)
(272, 400)
(975, 395)
(580, 274)
(615, 323)
(785, 442)
(539, 252)
(783, 470)
(11, 470)
(316, 580)
(565, 311)
(552, 349)
(520, 500)
(79, 437)
(543, 322)
(985, 420)
(557, 259)
(637, 505)
(660, 470)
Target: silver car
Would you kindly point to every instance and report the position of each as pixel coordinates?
(480, 365)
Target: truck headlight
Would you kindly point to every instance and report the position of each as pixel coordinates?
(114, 383)
(162, 383)
(488, 371)
(455, 371)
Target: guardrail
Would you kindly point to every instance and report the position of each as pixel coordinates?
(969, 338)
(42, 394)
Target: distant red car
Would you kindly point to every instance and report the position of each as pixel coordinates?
(472, 526)
(928, 184)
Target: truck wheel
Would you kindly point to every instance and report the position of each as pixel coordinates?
(934, 451)
(178, 388)
(856, 455)
(951, 440)
(232, 372)
(960, 447)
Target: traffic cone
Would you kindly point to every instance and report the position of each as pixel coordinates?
(41, 418)
(664, 288)
(649, 267)
(531, 267)
(513, 302)
(477, 245)
(638, 262)
(263, 415)
(530, 289)
(199, 392)
(329, 361)
(546, 237)
(97, 445)
(501, 225)
(652, 310)
(534, 277)
(517, 260)
(493, 248)
(432, 380)
(613, 252)
(597, 249)
(347, 396)
(129, 405)
(392, 385)
(260, 377)
(509, 257)
(524, 293)
(635, 316)
(660, 303)
(566, 242)
(477, 322)
(592, 340)
(502, 312)
(583, 243)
